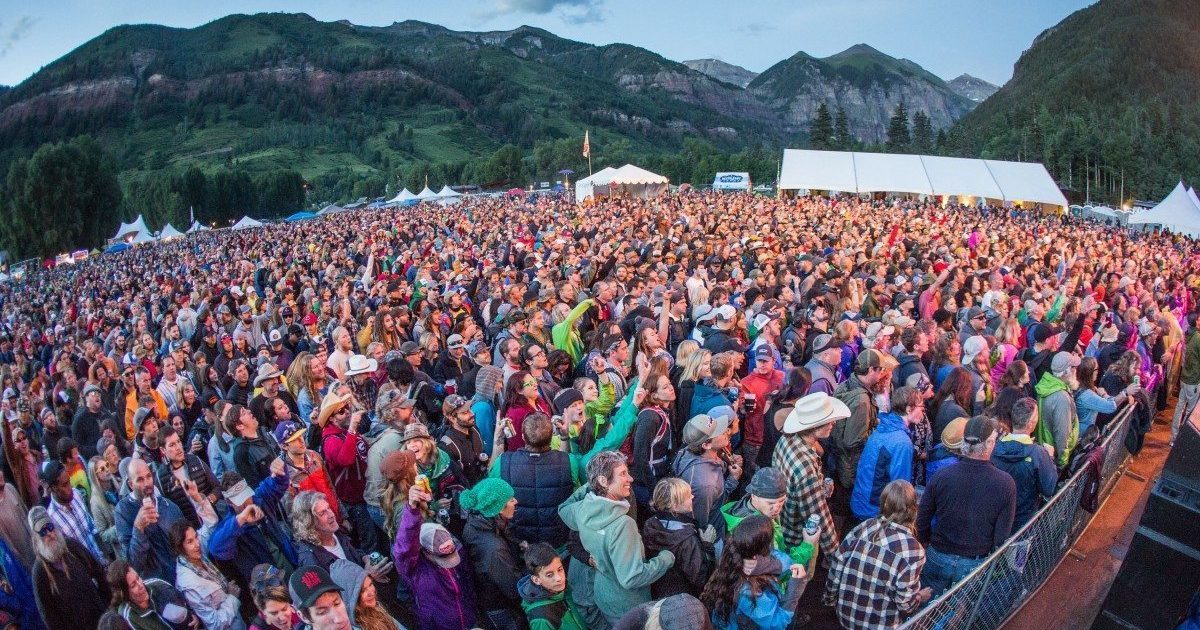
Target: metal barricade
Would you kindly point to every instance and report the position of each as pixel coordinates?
(998, 588)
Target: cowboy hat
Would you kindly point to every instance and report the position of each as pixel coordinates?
(359, 364)
(814, 410)
(266, 372)
(331, 404)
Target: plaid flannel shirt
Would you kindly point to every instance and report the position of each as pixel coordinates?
(875, 575)
(801, 467)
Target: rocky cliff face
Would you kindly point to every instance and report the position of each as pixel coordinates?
(971, 87)
(863, 82)
(722, 71)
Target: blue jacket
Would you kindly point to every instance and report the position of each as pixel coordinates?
(940, 458)
(249, 545)
(705, 397)
(887, 456)
(1033, 470)
(150, 551)
(20, 603)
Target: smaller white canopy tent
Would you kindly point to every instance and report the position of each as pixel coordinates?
(169, 231)
(426, 194)
(330, 209)
(731, 181)
(594, 184)
(448, 197)
(196, 227)
(143, 237)
(402, 196)
(637, 182)
(138, 225)
(1177, 212)
(246, 223)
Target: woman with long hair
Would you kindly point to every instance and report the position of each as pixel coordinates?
(522, 396)
(745, 589)
(311, 385)
(399, 470)
(1091, 400)
(212, 596)
(187, 405)
(653, 442)
(795, 384)
(944, 357)
(1016, 375)
(696, 367)
(647, 343)
(103, 503)
(952, 400)
(360, 597)
(1008, 337)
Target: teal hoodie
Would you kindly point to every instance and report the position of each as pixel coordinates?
(623, 575)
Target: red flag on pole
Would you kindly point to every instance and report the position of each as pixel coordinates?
(587, 147)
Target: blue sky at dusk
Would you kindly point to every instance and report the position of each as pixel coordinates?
(947, 37)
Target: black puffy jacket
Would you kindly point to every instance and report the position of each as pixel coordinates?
(541, 482)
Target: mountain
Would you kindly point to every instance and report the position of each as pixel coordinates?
(1110, 92)
(866, 83)
(270, 91)
(722, 71)
(971, 87)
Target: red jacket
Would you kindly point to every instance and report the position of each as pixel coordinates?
(346, 457)
(517, 413)
(762, 387)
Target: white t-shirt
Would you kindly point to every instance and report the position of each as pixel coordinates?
(336, 549)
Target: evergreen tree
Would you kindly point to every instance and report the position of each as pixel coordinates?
(820, 130)
(922, 133)
(841, 131)
(898, 136)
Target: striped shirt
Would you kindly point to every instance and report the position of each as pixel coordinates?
(75, 521)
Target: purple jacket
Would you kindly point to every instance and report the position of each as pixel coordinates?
(445, 599)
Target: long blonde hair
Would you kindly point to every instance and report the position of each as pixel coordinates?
(691, 365)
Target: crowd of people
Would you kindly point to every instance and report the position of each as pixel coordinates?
(679, 412)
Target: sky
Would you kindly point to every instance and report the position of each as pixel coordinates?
(948, 37)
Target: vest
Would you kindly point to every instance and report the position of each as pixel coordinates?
(540, 482)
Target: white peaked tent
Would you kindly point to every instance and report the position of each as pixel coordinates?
(448, 197)
(246, 223)
(137, 226)
(169, 231)
(853, 172)
(1178, 212)
(330, 209)
(143, 237)
(594, 184)
(401, 197)
(426, 194)
(637, 182)
(196, 227)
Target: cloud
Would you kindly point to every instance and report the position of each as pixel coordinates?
(9, 37)
(755, 28)
(572, 11)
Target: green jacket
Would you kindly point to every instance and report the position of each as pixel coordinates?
(1190, 372)
(1058, 423)
(566, 336)
(546, 610)
(623, 574)
(800, 554)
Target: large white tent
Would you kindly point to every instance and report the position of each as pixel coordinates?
(137, 226)
(143, 237)
(596, 183)
(169, 231)
(246, 223)
(448, 196)
(1178, 212)
(1193, 197)
(426, 194)
(853, 172)
(197, 227)
(629, 179)
(402, 196)
(330, 209)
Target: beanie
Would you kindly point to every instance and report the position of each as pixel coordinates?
(488, 497)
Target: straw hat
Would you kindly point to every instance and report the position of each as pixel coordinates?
(330, 405)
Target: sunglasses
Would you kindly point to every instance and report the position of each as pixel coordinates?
(46, 529)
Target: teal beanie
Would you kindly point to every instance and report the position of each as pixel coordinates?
(488, 497)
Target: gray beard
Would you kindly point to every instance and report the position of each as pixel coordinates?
(50, 552)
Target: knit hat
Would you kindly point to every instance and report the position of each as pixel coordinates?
(767, 483)
(89, 388)
(102, 445)
(397, 465)
(488, 497)
(952, 435)
(432, 537)
(566, 398)
(37, 518)
(416, 430)
(487, 381)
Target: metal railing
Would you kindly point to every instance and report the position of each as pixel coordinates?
(997, 589)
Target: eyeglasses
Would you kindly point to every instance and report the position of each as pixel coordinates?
(46, 529)
(529, 383)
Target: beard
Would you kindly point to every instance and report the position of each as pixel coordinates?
(1072, 382)
(51, 552)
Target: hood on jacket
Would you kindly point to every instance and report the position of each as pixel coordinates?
(1050, 384)
(666, 530)
(689, 464)
(889, 422)
(593, 512)
(1013, 451)
(349, 577)
(440, 465)
(533, 595)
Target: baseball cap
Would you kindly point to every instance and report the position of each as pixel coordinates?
(432, 537)
(275, 336)
(763, 353)
(1044, 332)
(871, 358)
(309, 583)
(409, 347)
(826, 342)
(454, 342)
(702, 428)
(1062, 361)
(287, 431)
(978, 429)
(973, 347)
(310, 319)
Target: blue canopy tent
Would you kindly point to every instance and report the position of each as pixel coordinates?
(300, 216)
(119, 247)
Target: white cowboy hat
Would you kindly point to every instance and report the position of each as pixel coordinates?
(360, 364)
(266, 372)
(814, 410)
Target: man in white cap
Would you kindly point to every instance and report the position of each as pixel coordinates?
(798, 456)
(453, 362)
(718, 339)
(1059, 419)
